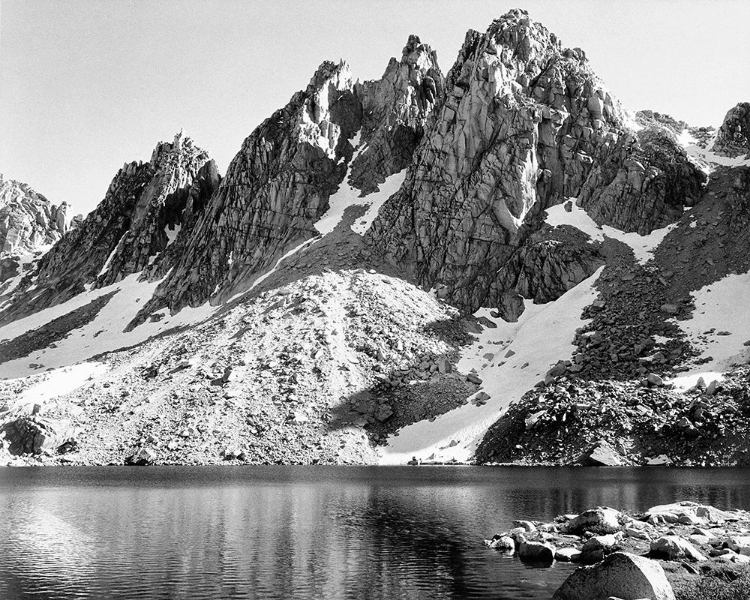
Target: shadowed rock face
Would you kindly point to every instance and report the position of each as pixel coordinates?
(128, 228)
(733, 137)
(643, 184)
(27, 219)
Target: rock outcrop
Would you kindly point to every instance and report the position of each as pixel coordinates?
(523, 124)
(279, 184)
(733, 137)
(643, 184)
(128, 230)
(27, 219)
(395, 113)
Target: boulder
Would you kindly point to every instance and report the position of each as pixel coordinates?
(569, 554)
(673, 547)
(502, 542)
(602, 454)
(740, 544)
(525, 525)
(596, 548)
(600, 520)
(35, 435)
(537, 552)
(141, 458)
(621, 575)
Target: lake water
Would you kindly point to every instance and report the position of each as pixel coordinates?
(305, 532)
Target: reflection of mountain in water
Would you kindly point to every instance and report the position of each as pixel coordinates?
(281, 532)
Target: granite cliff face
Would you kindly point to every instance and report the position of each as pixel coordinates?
(27, 219)
(523, 124)
(144, 205)
(733, 137)
(278, 185)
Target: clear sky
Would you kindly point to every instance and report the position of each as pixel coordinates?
(87, 85)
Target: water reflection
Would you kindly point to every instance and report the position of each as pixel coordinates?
(285, 532)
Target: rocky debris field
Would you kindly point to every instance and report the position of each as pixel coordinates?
(612, 423)
(313, 371)
(665, 553)
(608, 404)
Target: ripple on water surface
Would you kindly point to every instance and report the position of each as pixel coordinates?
(295, 532)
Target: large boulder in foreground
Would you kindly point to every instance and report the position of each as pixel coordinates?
(621, 575)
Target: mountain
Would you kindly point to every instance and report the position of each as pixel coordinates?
(388, 267)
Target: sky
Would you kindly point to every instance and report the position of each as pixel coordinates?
(88, 85)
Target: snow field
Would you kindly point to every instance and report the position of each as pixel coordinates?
(521, 354)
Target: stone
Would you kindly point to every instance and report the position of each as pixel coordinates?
(602, 454)
(659, 461)
(525, 525)
(673, 547)
(600, 520)
(537, 552)
(503, 543)
(143, 457)
(654, 379)
(568, 554)
(670, 309)
(444, 365)
(740, 544)
(596, 548)
(35, 435)
(621, 575)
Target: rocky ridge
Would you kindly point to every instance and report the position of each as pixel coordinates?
(127, 231)
(28, 220)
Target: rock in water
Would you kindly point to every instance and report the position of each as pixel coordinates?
(537, 552)
(620, 575)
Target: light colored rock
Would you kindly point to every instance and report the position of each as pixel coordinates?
(568, 554)
(504, 543)
(596, 548)
(621, 575)
(599, 520)
(525, 525)
(673, 547)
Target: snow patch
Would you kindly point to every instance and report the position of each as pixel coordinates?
(707, 155)
(58, 383)
(112, 254)
(172, 233)
(376, 200)
(643, 246)
(521, 352)
(103, 334)
(265, 276)
(717, 309)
